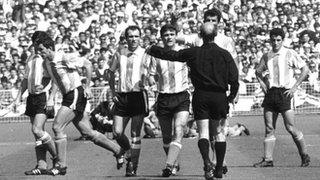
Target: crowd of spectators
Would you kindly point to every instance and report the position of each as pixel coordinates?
(95, 28)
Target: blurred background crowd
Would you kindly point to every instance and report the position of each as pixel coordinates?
(95, 28)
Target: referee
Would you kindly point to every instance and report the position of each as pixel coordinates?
(212, 69)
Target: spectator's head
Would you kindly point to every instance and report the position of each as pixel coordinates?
(133, 37)
(276, 37)
(168, 34)
(212, 15)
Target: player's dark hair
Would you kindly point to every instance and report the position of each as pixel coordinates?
(41, 37)
(277, 32)
(132, 28)
(212, 12)
(167, 27)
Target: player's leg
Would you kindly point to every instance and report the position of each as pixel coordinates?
(119, 124)
(136, 126)
(64, 116)
(166, 130)
(180, 120)
(270, 119)
(37, 124)
(99, 139)
(288, 117)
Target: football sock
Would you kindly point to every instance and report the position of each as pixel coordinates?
(51, 148)
(203, 145)
(300, 143)
(61, 145)
(174, 151)
(41, 153)
(135, 152)
(269, 144)
(220, 152)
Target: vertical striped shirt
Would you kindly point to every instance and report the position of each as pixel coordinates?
(173, 76)
(63, 69)
(37, 76)
(132, 67)
(280, 67)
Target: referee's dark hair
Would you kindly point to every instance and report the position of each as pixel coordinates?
(277, 32)
(167, 27)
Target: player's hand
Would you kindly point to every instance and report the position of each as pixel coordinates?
(110, 105)
(290, 92)
(87, 93)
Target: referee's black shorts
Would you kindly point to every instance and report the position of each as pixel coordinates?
(209, 105)
(36, 104)
(275, 100)
(131, 104)
(169, 104)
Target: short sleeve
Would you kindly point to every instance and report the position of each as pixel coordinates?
(296, 60)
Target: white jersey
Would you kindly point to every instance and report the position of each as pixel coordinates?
(173, 76)
(36, 74)
(132, 67)
(280, 66)
(63, 69)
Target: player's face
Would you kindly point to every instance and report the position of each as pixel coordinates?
(212, 19)
(169, 38)
(276, 43)
(133, 39)
(44, 52)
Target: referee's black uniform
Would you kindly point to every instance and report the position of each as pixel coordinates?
(212, 69)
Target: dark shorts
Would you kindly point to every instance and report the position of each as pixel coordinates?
(131, 104)
(36, 104)
(275, 100)
(75, 100)
(209, 105)
(169, 104)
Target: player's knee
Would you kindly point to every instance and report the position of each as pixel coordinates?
(204, 135)
(136, 143)
(60, 136)
(117, 132)
(56, 128)
(220, 137)
(36, 130)
(94, 136)
(45, 138)
(297, 136)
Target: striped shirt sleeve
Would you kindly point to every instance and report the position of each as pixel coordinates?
(296, 60)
